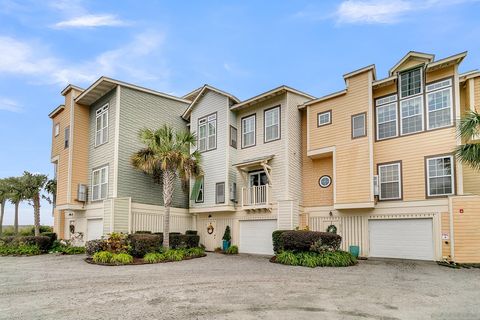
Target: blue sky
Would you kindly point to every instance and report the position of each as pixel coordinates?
(243, 47)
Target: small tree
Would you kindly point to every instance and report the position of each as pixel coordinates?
(3, 200)
(34, 184)
(226, 235)
(468, 130)
(166, 157)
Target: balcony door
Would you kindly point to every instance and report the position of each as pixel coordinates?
(257, 178)
(258, 187)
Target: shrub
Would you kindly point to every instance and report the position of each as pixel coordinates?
(143, 232)
(301, 241)
(28, 249)
(102, 257)
(320, 247)
(174, 255)
(277, 240)
(73, 250)
(42, 242)
(287, 257)
(122, 258)
(192, 240)
(336, 259)
(195, 252)
(51, 235)
(183, 241)
(154, 257)
(307, 259)
(30, 231)
(94, 246)
(191, 232)
(226, 235)
(141, 244)
(117, 243)
(232, 250)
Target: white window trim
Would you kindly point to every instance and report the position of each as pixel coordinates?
(100, 183)
(277, 109)
(422, 113)
(205, 122)
(329, 113)
(400, 84)
(202, 189)
(99, 114)
(452, 176)
(378, 123)
(437, 85)
(56, 129)
(217, 200)
(399, 181)
(451, 107)
(254, 131)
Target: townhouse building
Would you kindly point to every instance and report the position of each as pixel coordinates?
(374, 159)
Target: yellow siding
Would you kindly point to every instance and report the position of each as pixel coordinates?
(445, 222)
(471, 180)
(352, 156)
(440, 74)
(477, 93)
(466, 229)
(385, 91)
(58, 223)
(80, 149)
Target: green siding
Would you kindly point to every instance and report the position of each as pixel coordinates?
(143, 110)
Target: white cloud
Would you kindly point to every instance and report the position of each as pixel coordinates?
(9, 105)
(91, 21)
(132, 60)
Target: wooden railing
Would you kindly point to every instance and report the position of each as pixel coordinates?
(256, 197)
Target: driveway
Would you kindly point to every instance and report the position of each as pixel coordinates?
(234, 287)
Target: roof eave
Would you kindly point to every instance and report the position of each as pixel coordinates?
(56, 111)
(324, 98)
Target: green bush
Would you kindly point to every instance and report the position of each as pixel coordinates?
(141, 244)
(174, 255)
(51, 235)
(302, 241)
(30, 231)
(277, 240)
(191, 232)
(28, 250)
(287, 257)
(143, 232)
(307, 259)
(232, 250)
(42, 242)
(117, 243)
(336, 259)
(182, 241)
(226, 235)
(102, 257)
(94, 246)
(154, 257)
(122, 258)
(73, 250)
(313, 259)
(195, 252)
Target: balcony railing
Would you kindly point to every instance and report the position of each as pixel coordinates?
(257, 197)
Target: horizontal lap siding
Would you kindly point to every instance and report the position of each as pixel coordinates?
(80, 148)
(139, 110)
(121, 214)
(477, 93)
(466, 229)
(471, 180)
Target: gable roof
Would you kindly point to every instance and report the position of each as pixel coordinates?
(56, 111)
(267, 95)
(427, 57)
(186, 114)
(192, 94)
(105, 84)
(70, 87)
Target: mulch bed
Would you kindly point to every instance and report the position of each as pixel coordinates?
(136, 261)
(454, 265)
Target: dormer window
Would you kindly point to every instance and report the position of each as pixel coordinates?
(411, 101)
(410, 83)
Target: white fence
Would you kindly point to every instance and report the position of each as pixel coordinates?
(150, 218)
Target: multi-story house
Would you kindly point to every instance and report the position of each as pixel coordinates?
(251, 156)
(378, 161)
(95, 134)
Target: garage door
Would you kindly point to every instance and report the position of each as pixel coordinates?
(403, 239)
(94, 229)
(256, 236)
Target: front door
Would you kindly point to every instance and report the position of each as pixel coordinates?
(210, 235)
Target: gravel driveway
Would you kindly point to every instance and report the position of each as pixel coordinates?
(234, 287)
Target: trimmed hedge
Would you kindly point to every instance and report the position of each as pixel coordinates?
(143, 232)
(313, 259)
(51, 235)
(41, 242)
(180, 241)
(191, 232)
(94, 246)
(277, 241)
(141, 244)
(301, 241)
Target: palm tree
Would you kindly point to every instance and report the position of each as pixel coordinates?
(34, 184)
(51, 189)
(469, 129)
(3, 200)
(16, 194)
(166, 157)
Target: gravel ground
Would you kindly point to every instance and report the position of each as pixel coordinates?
(234, 287)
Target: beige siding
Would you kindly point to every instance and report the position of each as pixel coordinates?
(471, 180)
(440, 74)
(466, 228)
(385, 90)
(477, 93)
(445, 222)
(80, 149)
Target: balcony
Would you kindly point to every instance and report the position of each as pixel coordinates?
(257, 197)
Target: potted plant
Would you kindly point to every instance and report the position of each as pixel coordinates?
(226, 238)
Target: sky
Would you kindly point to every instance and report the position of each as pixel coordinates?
(242, 47)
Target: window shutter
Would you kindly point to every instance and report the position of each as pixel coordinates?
(196, 189)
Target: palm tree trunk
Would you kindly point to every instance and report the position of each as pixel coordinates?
(168, 186)
(36, 213)
(2, 212)
(15, 222)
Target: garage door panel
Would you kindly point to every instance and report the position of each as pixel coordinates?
(256, 236)
(94, 229)
(401, 238)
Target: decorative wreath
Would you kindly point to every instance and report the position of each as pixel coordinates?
(210, 229)
(332, 229)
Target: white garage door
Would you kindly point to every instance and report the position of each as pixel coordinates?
(403, 239)
(256, 236)
(94, 229)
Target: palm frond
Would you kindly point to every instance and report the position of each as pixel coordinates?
(469, 126)
(469, 154)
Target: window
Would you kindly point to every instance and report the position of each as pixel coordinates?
(248, 131)
(440, 176)
(233, 137)
(386, 118)
(324, 118)
(359, 125)
(101, 125)
(220, 192)
(390, 181)
(325, 181)
(410, 83)
(207, 133)
(411, 111)
(99, 183)
(67, 137)
(198, 190)
(57, 129)
(272, 124)
(439, 104)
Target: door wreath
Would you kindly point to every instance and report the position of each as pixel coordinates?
(332, 229)
(210, 229)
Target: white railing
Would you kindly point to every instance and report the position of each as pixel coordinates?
(258, 196)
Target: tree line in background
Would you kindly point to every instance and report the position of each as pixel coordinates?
(30, 187)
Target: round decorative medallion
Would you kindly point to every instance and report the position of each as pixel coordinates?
(210, 229)
(325, 181)
(332, 229)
